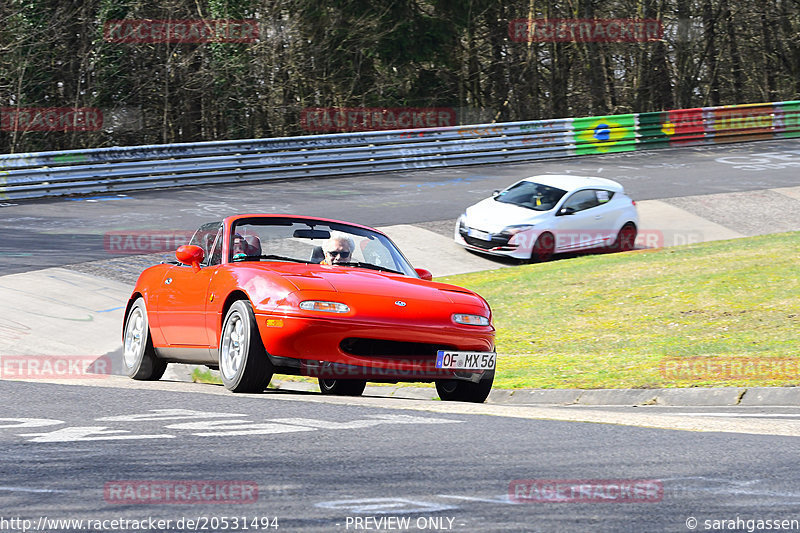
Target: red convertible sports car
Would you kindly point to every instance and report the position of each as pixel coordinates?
(255, 295)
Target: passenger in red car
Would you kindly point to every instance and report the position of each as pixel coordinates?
(244, 247)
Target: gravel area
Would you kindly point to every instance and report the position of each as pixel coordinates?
(442, 227)
(125, 269)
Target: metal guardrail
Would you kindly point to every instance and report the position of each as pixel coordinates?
(116, 169)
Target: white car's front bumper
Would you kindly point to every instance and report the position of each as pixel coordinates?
(518, 246)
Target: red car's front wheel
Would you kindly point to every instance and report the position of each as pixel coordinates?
(243, 362)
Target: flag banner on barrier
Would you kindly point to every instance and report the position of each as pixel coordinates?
(598, 135)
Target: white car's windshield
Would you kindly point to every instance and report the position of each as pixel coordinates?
(531, 196)
(312, 241)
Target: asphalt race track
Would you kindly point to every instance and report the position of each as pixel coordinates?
(317, 465)
(123, 455)
(702, 182)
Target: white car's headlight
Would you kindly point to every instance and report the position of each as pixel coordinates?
(320, 305)
(470, 320)
(462, 224)
(513, 230)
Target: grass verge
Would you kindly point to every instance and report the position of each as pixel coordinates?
(204, 375)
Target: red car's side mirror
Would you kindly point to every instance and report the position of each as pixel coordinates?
(424, 274)
(189, 254)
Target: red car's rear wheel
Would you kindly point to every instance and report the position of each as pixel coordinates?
(342, 387)
(451, 390)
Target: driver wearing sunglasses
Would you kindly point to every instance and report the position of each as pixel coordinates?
(338, 248)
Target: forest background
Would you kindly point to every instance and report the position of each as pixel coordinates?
(454, 54)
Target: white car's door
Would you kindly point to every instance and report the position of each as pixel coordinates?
(583, 221)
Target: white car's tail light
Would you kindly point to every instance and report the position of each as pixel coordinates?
(470, 320)
(320, 305)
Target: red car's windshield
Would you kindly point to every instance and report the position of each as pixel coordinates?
(313, 241)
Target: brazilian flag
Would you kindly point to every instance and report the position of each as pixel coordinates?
(600, 135)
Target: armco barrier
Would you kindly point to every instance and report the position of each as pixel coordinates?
(103, 170)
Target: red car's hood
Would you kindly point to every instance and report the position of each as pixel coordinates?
(354, 280)
(372, 295)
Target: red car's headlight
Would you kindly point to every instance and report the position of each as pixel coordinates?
(470, 320)
(320, 305)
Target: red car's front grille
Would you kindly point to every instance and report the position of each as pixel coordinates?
(386, 348)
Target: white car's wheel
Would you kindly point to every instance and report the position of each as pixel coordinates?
(543, 248)
(243, 362)
(626, 239)
(139, 356)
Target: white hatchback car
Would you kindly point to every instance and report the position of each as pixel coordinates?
(542, 215)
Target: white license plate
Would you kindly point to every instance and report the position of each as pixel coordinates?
(478, 234)
(465, 360)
